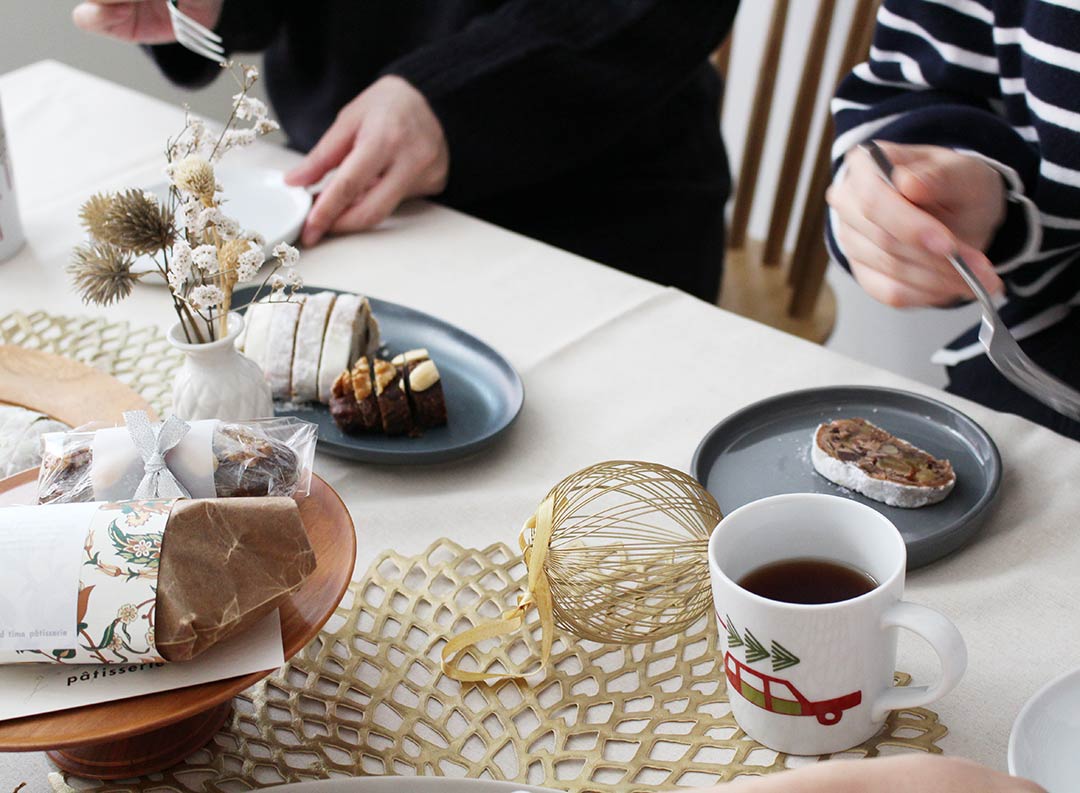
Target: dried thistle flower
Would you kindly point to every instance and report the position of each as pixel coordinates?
(195, 175)
(137, 223)
(94, 213)
(102, 272)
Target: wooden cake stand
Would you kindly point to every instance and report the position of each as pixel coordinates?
(63, 389)
(141, 735)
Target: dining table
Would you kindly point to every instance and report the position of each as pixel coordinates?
(614, 367)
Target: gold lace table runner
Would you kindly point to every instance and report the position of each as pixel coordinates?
(137, 355)
(367, 698)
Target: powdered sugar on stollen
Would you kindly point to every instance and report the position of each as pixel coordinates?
(279, 351)
(341, 341)
(309, 341)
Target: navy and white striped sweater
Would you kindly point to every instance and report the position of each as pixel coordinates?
(999, 79)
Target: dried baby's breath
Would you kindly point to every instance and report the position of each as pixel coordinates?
(102, 273)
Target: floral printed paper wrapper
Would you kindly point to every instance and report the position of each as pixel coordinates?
(117, 588)
(104, 583)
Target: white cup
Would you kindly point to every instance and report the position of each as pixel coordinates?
(11, 233)
(818, 679)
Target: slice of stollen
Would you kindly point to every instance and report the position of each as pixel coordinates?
(863, 457)
(309, 342)
(370, 340)
(282, 343)
(341, 343)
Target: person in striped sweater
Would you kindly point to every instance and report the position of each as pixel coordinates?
(977, 102)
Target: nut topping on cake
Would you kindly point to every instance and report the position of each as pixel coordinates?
(424, 376)
(410, 356)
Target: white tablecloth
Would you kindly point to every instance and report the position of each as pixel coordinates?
(613, 367)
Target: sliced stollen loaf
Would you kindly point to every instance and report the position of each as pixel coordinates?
(862, 457)
(282, 342)
(307, 352)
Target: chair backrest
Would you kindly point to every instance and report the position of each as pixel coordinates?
(809, 257)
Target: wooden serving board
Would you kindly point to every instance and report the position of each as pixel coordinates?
(63, 389)
(130, 737)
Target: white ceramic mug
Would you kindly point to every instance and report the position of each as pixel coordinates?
(817, 679)
(11, 234)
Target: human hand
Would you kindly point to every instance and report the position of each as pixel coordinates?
(898, 774)
(387, 145)
(896, 240)
(141, 21)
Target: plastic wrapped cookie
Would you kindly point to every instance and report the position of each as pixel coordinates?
(20, 438)
(216, 459)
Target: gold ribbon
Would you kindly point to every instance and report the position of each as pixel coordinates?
(537, 594)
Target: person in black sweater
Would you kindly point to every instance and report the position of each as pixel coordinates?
(588, 124)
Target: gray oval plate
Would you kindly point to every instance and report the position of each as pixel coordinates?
(484, 394)
(764, 449)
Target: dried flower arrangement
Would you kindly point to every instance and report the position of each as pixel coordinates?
(201, 252)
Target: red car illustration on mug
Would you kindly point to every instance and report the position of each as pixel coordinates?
(780, 696)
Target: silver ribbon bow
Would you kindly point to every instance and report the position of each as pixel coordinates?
(153, 443)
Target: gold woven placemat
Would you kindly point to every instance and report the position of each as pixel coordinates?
(138, 356)
(367, 697)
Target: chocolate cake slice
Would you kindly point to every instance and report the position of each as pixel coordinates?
(343, 406)
(393, 402)
(862, 457)
(366, 401)
(424, 388)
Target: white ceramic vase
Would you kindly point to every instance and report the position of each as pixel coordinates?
(216, 381)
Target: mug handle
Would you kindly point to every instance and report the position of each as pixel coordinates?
(947, 642)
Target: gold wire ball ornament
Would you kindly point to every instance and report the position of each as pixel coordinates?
(616, 553)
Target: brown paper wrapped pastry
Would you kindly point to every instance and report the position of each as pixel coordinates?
(225, 563)
(266, 457)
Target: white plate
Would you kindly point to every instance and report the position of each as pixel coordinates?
(411, 784)
(258, 198)
(1045, 736)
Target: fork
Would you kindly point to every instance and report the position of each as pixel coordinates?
(1001, 347)
(194, 36)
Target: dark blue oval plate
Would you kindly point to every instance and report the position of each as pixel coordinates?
(764, 449)
(484, 394)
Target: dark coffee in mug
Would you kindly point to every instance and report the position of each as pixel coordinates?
(808, 580)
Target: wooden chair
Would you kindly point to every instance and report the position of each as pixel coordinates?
(787, 290)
